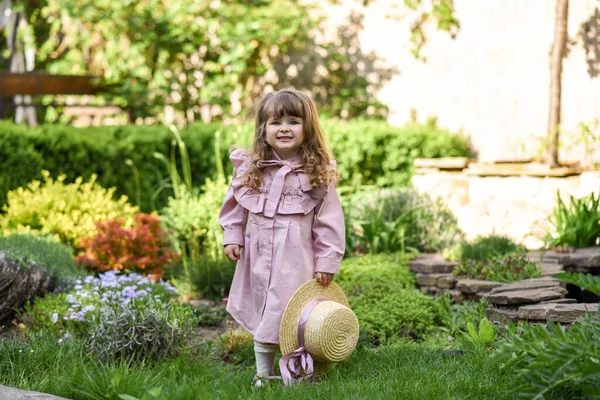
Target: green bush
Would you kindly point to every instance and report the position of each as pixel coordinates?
(482, 248)
(145, 328)
(203, 276)
(507, 268)
(376, 153)
(385, 314)
(397, 219)
(381, 291)
(192, 219)
(30, 267)
(44, 252)
(384, 271)
(68, 211)
(368, 152)
(209, 315)
(105, 151)
(576, 224)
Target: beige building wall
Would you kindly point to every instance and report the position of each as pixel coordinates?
(492, 81)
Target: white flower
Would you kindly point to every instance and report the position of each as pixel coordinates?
(88, 308)
(55, 317)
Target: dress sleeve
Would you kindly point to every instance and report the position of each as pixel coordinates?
(233, 216)
(329, 233)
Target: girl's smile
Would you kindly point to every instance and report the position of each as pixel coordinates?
(285, 135)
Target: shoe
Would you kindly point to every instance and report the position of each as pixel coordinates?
(261, 381)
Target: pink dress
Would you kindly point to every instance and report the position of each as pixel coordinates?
(289, 231)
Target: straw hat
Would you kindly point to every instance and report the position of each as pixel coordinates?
(331, 330)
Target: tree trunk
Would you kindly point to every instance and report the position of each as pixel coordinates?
(554, 108)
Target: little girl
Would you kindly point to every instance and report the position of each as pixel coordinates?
(281, 217)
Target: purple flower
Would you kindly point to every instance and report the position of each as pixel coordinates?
(78, 316)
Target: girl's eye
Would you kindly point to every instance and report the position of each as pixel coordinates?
(295, 122)
(275, 123)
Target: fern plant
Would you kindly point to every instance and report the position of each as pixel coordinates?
(584, 281)
(551, 362)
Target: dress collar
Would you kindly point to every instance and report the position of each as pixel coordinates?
(294, 161)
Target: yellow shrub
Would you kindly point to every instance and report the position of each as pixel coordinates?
(68, 211)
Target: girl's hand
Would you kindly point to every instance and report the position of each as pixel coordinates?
(232, 251)
(324, 278)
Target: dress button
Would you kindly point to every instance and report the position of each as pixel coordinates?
(268, 266)
(269, 241)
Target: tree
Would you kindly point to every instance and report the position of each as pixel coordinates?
(438, 12)
(554, 106)
(202, 59)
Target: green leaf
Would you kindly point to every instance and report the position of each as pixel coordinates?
(127, 397)
(486, 331)
(472, 332)
(155, 392)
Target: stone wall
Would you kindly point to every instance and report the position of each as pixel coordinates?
(514, 200)
(534, 300)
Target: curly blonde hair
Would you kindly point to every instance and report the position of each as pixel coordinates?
(316, 158)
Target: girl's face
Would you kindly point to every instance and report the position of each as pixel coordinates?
(285, 135)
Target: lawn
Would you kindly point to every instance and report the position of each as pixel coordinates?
(398, 370)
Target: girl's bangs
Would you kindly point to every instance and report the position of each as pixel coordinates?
(284, 104)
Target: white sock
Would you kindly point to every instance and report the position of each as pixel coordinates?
(265, 358)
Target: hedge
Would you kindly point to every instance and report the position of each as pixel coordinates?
(368, 152)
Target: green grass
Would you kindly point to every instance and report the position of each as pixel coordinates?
(397, 371)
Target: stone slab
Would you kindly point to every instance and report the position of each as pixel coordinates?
(560, 301)
(527, 284)
(525, 296)
(432, 266)
(501, 314)
(476, 285)
(549, 269)
(9, 393)
(537, 170)
(429, 279)
(563, 313)
(585, 257)
(582, 269)
(430, 290)
(457, 296)
(442, 163)
(447, 281)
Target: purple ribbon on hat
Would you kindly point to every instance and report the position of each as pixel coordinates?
(293, 364)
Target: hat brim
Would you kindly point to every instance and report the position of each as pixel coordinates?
(288, 330)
